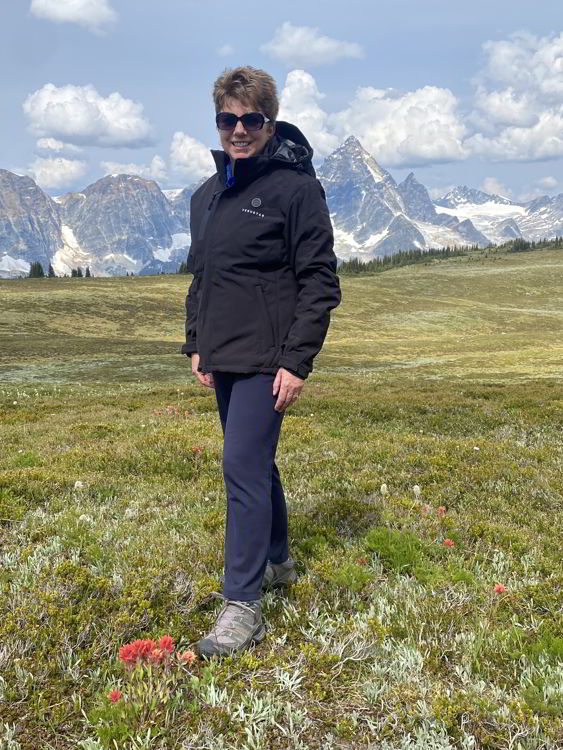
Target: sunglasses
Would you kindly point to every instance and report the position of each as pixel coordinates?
(250, 120)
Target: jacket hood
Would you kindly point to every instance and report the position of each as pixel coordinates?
(288, 147)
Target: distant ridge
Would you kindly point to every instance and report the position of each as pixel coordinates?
(126, 224)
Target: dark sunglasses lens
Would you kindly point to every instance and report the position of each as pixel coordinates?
(252, 120)
(226, 120)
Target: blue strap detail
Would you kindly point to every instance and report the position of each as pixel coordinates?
(229, 178)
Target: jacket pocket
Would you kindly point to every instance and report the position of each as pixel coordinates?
(267, 329)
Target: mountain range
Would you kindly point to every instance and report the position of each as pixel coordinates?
(127, 224)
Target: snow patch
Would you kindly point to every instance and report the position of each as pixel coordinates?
(486, 217)
(437, 236)
(172, 193)
(70, 255)
(123, 262)
(180, 240)
(377, 176)
(13, 267)
(374, 239)
(162, 253)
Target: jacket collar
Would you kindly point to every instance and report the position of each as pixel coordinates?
(287, 148)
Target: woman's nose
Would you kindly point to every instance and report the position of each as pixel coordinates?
(239, 128)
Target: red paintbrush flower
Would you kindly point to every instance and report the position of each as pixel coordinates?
(138, 650)
(166, 643)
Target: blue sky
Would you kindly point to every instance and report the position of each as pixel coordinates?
(458, 93)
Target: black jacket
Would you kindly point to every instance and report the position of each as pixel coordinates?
(263, 262)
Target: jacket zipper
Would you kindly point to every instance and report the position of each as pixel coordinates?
(207, 214)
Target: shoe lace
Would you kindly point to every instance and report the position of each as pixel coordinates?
(227, 617)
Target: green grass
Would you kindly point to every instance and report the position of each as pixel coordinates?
(446, 376)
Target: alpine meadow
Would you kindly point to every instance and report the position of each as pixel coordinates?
(424, 474)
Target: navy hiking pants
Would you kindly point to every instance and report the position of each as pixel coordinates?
(256, 528)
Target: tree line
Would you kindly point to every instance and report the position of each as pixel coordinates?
(375, 265)
(409, 257)
(36, 271)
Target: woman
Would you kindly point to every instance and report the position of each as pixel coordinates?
(257, 313)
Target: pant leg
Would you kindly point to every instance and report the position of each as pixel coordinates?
(223, 388)
(279, 550)
(255, 503)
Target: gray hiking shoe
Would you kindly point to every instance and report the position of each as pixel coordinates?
(238, 625)
(279, 575)
(276, 575)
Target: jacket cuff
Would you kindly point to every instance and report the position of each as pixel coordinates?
(188, 349)
(301, 370)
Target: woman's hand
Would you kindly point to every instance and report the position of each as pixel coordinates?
(205, 378)
(287, 388)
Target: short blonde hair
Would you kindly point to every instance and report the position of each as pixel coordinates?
(250, 85)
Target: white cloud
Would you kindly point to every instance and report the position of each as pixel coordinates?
(56, 172)
(528, 64)
(519, 99)
(305, 46)
(542, 141)
(405, 129)
(493, 186)
(506, 107)
(400, 129)
(80, 115)
(189, 157)
(52, 144)
(225, 50)
(94, 14)
(299, 104)
(156, 170)
(549, 183)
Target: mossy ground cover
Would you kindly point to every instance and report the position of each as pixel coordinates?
(423, 469)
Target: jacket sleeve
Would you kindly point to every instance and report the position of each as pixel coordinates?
(191, 305)
(310, 241)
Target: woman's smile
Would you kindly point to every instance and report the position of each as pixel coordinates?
(240, 143)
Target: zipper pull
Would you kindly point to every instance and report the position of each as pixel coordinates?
(213, 200)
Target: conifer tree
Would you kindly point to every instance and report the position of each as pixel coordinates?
(51, 272)
(87, 274)
(36, 270)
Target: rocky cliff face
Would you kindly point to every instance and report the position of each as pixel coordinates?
(126, 224)
(362, 197)
(123, 222)
(374, 216)
(418, 204)
(30, 227)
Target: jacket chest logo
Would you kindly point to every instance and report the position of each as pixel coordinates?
(251, 211)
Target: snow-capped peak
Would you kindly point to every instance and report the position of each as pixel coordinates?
(462, 194)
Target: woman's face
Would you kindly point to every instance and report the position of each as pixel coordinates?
(240, 143)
